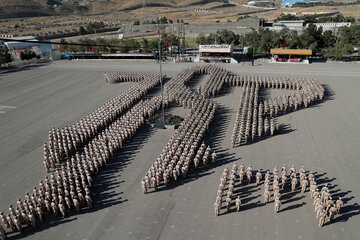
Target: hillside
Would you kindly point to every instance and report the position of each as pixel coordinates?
(35, 8)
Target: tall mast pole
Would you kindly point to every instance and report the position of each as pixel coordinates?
(161, 84)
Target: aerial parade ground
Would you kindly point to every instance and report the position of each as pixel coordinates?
(83, 129)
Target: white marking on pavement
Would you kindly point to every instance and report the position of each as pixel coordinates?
(5, 107)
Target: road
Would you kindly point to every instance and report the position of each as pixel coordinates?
(323, 138)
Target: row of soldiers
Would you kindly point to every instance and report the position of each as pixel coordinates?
(186, 148)
(267, 82)
(183, 149)
(69, 188)
(66, 190)
(229, 177)
(257, 120)
(284, 179)
(249, 122)
(324, 205)
(64, 142)
(118, 77)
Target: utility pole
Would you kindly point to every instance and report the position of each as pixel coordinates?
(161, 85)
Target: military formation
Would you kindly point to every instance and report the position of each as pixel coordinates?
(236, 177)
(68, 188)
(275, 184)
(256, 120)
(325, 207)
(66, 141)
(75, 154)
(186, 149)
(118, 77)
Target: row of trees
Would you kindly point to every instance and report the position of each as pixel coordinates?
(343, 43)
(326, 43)
(161, 20)
(316, 18)
(146, 45)
(91, 27)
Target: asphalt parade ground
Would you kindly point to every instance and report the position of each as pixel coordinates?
(323, 138)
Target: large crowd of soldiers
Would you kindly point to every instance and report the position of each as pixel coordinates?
(76, 153)
(68, 188)
(118, 77)
(66, 141)
(254, 119)
(186, 148)
(325, 207)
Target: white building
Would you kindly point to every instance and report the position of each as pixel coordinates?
(261, 4)
(334, 27)
(15, 46)
(215, 53)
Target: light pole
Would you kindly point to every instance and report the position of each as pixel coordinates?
(161, 85)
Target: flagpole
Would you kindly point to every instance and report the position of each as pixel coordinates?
(161, 85)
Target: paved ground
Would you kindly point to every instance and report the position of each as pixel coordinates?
(323, 138)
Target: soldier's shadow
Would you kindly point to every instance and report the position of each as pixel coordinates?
(50, 221)
(346, 213)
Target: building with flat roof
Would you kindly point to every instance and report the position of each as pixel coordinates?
(332, 26)
(16, 46)
(261, 3)
(215, 53)
(297, 25)
(296, 3)
(282, 55)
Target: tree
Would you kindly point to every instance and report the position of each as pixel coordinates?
(293, 40)
(201, 39)
(27, 54)
(329, 39)
(266, 43)
(5, 57)
(82, 30)
(63, 45)
(312, 38)
(91, 27)
(136, 22)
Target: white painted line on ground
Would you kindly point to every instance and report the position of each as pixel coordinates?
(5, 107)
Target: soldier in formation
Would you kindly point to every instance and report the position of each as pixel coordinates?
(186, 148)
(65, 142)
(324, 206)
(255, 119)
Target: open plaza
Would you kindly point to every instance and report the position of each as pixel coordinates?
(322, 137)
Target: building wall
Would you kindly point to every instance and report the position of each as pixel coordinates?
(334, 27)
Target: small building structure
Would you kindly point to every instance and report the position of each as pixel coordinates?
(261, 4)
(15, 47)
(282, 55)
(297, 25)
(332, 26)
(215, 53)
(297, 3)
